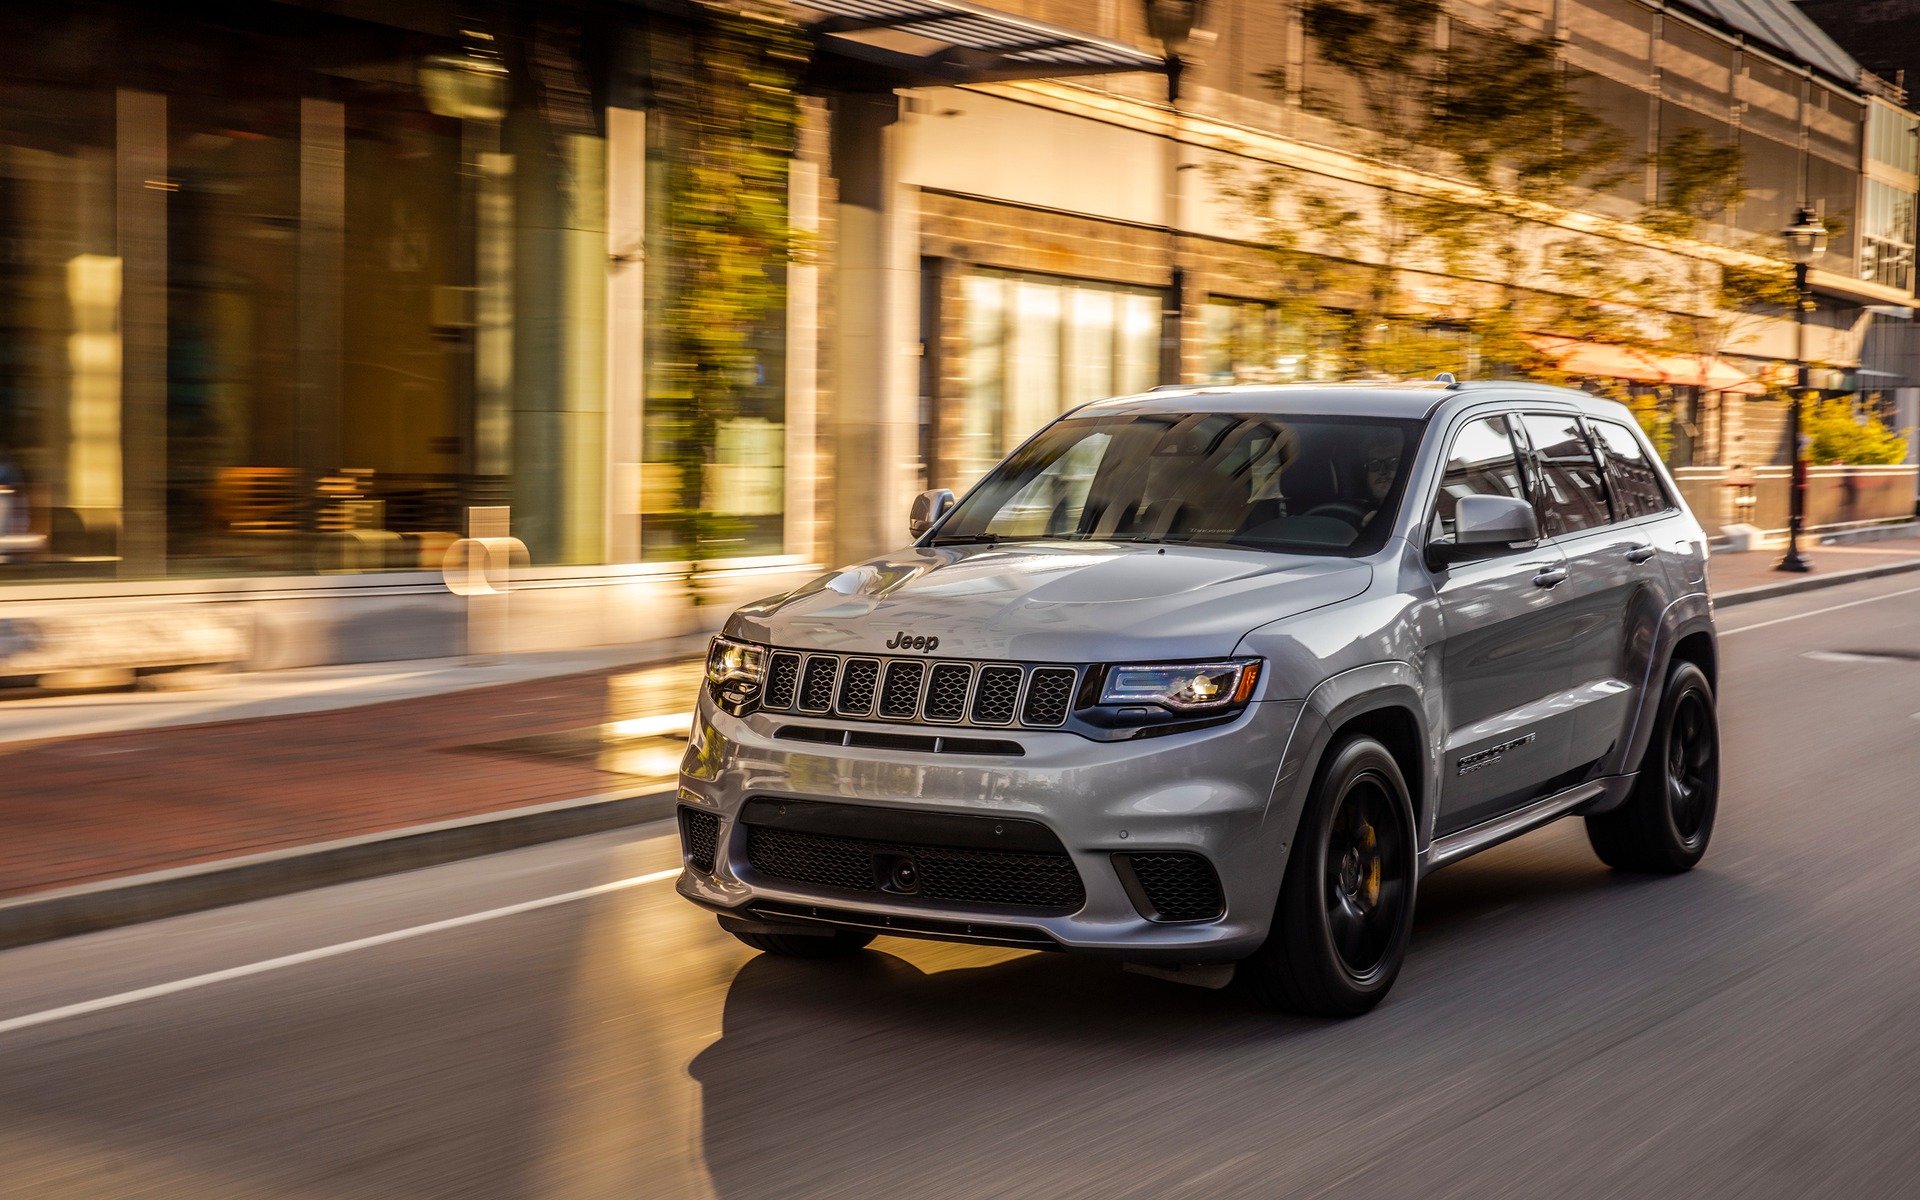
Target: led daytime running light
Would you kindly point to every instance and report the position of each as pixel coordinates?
(1183, 687)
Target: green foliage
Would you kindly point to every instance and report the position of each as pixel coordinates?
(1495, 109)
(732, 116)
(1836, 434)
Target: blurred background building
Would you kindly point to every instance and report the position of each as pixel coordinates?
(286, 288)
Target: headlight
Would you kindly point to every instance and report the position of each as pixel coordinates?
(735, 670)
(1184, 687)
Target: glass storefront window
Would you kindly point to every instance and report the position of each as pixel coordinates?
(280, 309)
(1035, 347)
(1249, 342)
(1887, 237)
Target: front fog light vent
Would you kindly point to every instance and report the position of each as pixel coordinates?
(700, 838)
(1171, 885)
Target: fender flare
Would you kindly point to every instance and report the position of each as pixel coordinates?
(1686, 616)
(1337, 700)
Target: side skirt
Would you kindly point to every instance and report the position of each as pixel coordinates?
(1596, 795)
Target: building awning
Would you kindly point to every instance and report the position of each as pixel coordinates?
(1624, 362)
(929, 42)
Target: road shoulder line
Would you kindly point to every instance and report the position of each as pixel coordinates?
(119, 999)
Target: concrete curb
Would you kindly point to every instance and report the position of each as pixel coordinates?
(109, 904)
(1808, 583)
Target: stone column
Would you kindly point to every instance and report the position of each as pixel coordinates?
(876, 300)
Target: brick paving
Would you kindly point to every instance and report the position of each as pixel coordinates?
(77, 810)
(83, 809)
(1755, 568)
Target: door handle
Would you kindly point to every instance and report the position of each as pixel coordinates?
(1550, 577)
(1640, 554)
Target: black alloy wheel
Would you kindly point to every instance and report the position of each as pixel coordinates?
(1664, 824)
(1340, 929)
(1693, 764)
(1367, 875)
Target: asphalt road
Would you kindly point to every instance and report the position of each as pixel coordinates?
(1750, 1029)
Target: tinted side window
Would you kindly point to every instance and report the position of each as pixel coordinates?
(1631, 479)
(1572, 496)
(1482, 462)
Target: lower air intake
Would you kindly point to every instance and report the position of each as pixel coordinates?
(953, 875)
(1172, 885)
(700, 838)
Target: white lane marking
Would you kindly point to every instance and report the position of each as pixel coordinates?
(1816, 612)
(104, 1003)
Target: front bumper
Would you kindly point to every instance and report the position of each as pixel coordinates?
(1209, 792)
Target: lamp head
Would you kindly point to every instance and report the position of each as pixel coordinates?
(1171, 22)
(1806, 237)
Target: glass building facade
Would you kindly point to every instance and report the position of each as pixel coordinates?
(285, 292)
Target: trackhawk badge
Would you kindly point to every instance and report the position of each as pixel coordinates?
(902, 641)
(1491, 755)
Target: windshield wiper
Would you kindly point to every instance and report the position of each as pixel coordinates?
(983, 539)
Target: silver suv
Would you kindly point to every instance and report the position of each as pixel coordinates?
(1207, 679)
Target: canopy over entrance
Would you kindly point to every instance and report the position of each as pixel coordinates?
(916, 43)
(1642, 366)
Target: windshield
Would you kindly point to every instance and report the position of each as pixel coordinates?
(1310, 485)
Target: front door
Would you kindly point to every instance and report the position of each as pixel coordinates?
(1506, 648)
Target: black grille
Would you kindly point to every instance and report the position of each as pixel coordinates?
(1177, 886)
(947, 692)
(950, 875)
(920, 690)
(900, 693)
(1049, 695)
(783, 677)
(993, 700)
(856, 686)
(816, 683)
(700, 837)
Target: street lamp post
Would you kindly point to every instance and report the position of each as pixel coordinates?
(1806, 242)
(1171, 23)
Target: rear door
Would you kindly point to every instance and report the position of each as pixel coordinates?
(1613, 591)
(1505, 650)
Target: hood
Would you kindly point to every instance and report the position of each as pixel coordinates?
(1051, 601)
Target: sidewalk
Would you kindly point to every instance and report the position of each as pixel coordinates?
(1743, 575)
(268, 783)
(82, 809)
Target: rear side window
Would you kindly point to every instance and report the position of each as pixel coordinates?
(1481, 462)
(1572, 496)
(1631, 478)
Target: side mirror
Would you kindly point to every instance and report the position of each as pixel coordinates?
(928, 508)
(1484, 523)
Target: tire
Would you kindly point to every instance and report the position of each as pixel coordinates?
(1340, 930)
(1663, 826)
(838, 944)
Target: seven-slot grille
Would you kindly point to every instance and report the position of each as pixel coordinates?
(920, 691)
